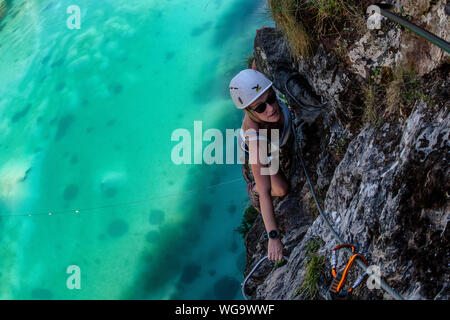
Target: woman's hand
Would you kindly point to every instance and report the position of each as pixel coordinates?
(275, 249)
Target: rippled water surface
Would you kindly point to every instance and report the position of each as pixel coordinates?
(86, 118)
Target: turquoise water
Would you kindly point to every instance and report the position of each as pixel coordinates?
(86, 178)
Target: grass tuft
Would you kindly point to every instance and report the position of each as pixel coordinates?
(391, 94)
(249, 60)
(314, 267)
(285, 15)
(402, 93)
(372, 113)
(305, 23)
(248, 219)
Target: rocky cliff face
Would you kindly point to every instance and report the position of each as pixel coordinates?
(382, 175)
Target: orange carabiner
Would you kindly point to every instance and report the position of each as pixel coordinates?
(340, 279)
(333, 256)
(347, 268)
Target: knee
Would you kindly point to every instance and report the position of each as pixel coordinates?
(280, 191)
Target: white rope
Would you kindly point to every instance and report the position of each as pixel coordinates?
(250, 274)
(116, 205)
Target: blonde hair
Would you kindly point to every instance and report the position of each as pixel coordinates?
(252, 115)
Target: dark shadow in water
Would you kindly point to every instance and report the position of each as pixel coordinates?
(226, 288)
(170, 55)
(232, 208)
(74, 159)
(115, 88)
(60, 86)
(48, 7)
(25, 176)
(70, 192)
(64, 125)
(117, 228)
(213, 86)
(19, 115)
(46, 59)
(57, 63)
(198, 31)
(233, 246)
(111, 122)
(109, 191)
(234, 20)
(190, 273)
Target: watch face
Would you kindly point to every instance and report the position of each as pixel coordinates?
(273, 234)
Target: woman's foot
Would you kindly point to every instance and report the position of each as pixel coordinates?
(254, 196)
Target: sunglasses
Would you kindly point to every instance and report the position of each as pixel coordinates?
(261, 107)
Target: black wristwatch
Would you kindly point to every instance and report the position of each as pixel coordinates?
(273, 234)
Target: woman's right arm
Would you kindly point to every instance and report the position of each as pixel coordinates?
(265, 200)
(263, 187)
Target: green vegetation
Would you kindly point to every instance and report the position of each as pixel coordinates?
(279, 263)
(313, 246)
(373, 97)
(285, 13)
(250, 215)
(329, 14)
(387, 95)
(391, 94)
(340, 146)
(249, 60)
(314, 267)
(305, 23)
(402, 92)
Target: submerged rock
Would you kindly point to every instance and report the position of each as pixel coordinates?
(70, 192)
(111, 183)
(117, 228)
(190, 273)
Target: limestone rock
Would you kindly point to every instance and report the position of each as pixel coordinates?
(384, 189)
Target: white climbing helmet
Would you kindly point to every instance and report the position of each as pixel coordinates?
(247, 86)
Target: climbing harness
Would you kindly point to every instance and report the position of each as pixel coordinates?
(381, 8)
(336, 291)
(360, 260)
